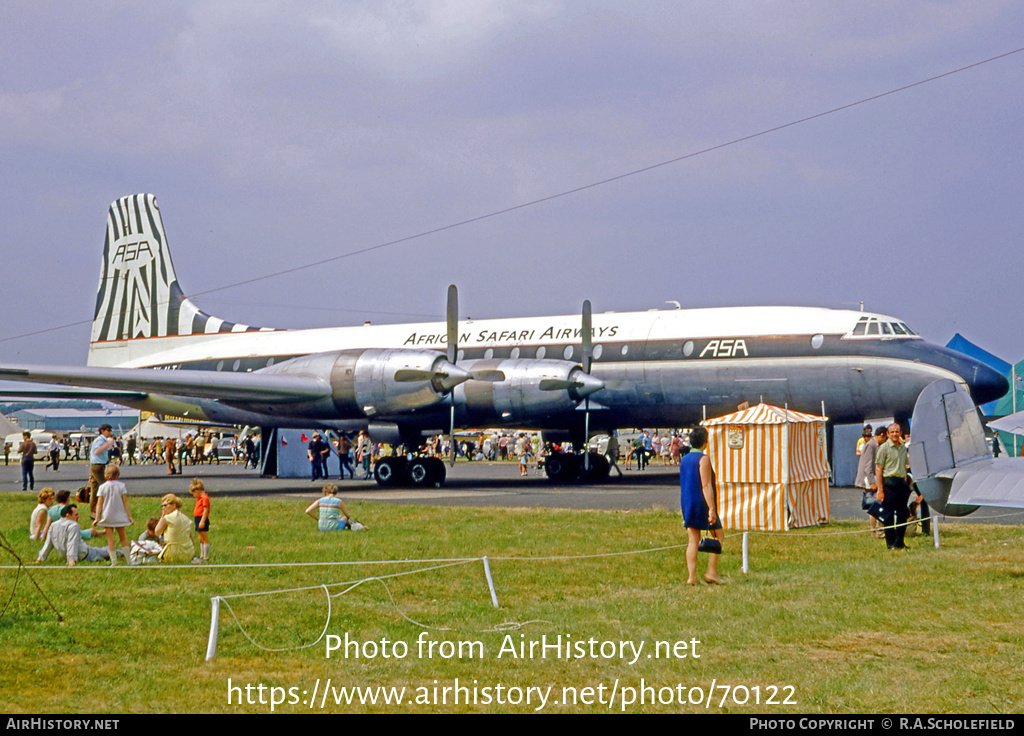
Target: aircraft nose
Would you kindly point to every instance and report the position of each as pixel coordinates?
(987, 384)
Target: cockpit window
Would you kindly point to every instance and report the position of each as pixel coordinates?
(868, 327)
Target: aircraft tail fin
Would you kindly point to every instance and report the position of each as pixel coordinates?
(946, 431)
(139, 296)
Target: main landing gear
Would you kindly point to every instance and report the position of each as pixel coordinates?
(564, 467)
(430, 472)
(419, 472)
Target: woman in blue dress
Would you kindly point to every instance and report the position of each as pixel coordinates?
(700, 507)
(332, 515)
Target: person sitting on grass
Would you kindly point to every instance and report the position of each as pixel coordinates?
(65, 536)
(176, 529)
(38, 522)
(63, 498)
(149, 546)
(331, 510)
(53, 513)
(150, 535)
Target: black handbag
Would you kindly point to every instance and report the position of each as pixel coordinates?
(710, 545)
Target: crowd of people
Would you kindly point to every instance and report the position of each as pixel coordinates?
(882, 473)
(192, 448)
(195, 448)
(890, 498)
(57, 522)
(360, 451)
(357, 453)
(649, 448)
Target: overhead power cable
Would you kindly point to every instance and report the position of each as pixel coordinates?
(611, 179)
(568, 192)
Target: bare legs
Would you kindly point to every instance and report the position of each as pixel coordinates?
(692, 540)
(110, 542)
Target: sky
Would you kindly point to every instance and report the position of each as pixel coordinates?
(276, 135)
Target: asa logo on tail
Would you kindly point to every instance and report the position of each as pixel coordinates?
(127, 252)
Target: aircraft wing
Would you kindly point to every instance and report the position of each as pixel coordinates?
(1013, 423)
(997, 482)
(225, 386)
(82, 394)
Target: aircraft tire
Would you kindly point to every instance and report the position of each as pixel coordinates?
(599, 469)
(438, 470)
(419, 473)
(561, 467)
(389, 471)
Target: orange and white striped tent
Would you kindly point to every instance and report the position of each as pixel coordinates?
(771, 468)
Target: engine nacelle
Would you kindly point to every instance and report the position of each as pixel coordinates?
(376, 382)
(532, 389)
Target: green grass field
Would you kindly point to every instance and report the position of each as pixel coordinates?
(826, 621)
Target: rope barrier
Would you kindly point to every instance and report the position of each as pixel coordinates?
(433, 564)
(438, 564)
(456, 560)
(211, 647)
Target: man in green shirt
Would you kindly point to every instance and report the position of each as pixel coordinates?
(893, 490)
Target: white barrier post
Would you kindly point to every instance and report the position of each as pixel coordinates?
(490, 582)
(745, 567)
(211, 645)
(935, 529)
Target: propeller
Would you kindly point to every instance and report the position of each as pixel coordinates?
(588, 337)
(452, 318)
(446, 375)
(580, 383)
(588, 359)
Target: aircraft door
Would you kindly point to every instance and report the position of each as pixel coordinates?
(665, 373)
(647, 368)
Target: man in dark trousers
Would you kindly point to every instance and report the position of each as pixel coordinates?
(893, 490)
(315, 451)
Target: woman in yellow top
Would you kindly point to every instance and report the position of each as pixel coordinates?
(177, 530)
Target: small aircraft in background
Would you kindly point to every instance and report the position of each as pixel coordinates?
(950, 457)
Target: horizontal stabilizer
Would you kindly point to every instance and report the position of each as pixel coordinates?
(1014, 423)
(237, 387)
(950, 459)
(996, 482)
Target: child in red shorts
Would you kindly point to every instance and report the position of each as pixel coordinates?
(202, 518)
